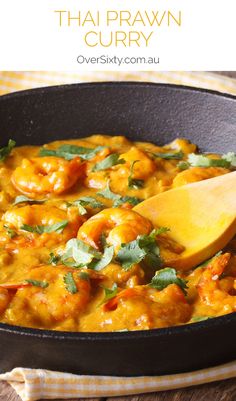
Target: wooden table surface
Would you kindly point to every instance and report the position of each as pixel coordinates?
(218, 391)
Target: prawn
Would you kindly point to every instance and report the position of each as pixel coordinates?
(52, 301)
(45, 175)
(215, 292)
(142, 308)
(142, 168)
(120, 226)
(42, 215)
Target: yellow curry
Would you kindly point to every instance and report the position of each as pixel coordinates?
(74, 256)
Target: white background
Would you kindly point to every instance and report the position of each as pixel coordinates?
(31, 39)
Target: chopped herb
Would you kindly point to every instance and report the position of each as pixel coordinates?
(133, 200)
(118, 199)
(86, 201)
(183, 165)
(83, 276)
(69, 152)
(196, 319)
(79, 254)
(22, 198)
(11, 233)
(70, 283)
(210, 260)
(37, 283)
(165, 277)
(57, 227)
(169, 156)
(144, 248)
(54, 259)
(231, 158)
(6, 150)
(108, 162)
(108, 194)
(105, 259)
(227, 161)
(109, 293)
(204, 161)
(132, 182)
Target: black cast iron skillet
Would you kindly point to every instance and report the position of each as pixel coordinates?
(148, 112)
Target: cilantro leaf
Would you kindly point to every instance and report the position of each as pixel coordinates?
(144, 248)
(109, 293)
(204, 161)
(105, 259)
(133, 200)
(165, 277)
(117, 199)
(23, 198)
(6, 150)
(227, 161)
(69, 152)
(54, 259)
(169, 155)
(83, 276)
(130, 254)
(37, 283)
(78, 253)
(196, 319)
(86, 201)
(231, 158)
(132, 182)
(70, 283)
(57, 227)
(108, 194)
(209, 260)
(11, 233)
(108, 162)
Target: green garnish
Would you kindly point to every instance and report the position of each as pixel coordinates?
(23, 198)
(169, 155)
(108, 162)
(109, 293)
(37, 283)
(11, 233)
(210, 260)
(108, 194)
(79, 254)
(227, 161)
(69, 152)
(117, 199)
(165, 277)
(132, 182)
(54, 259)
(6, 150)
(231, 158)
(144, 248)
(132, 200)
(105, 259)
(70, 283)
(83, 276)
(57, 227)
(196, 319)
(86, 201)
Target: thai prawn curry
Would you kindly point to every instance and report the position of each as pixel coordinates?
(74, 256)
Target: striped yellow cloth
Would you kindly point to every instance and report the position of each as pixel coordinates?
(13, 81)
(35, 384)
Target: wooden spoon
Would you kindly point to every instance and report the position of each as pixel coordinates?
(201, 217)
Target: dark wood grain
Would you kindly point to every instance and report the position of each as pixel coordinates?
(219, 391)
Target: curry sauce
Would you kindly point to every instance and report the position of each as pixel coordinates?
(74, 256)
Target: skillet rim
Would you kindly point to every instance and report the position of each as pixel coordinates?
(129, 335)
